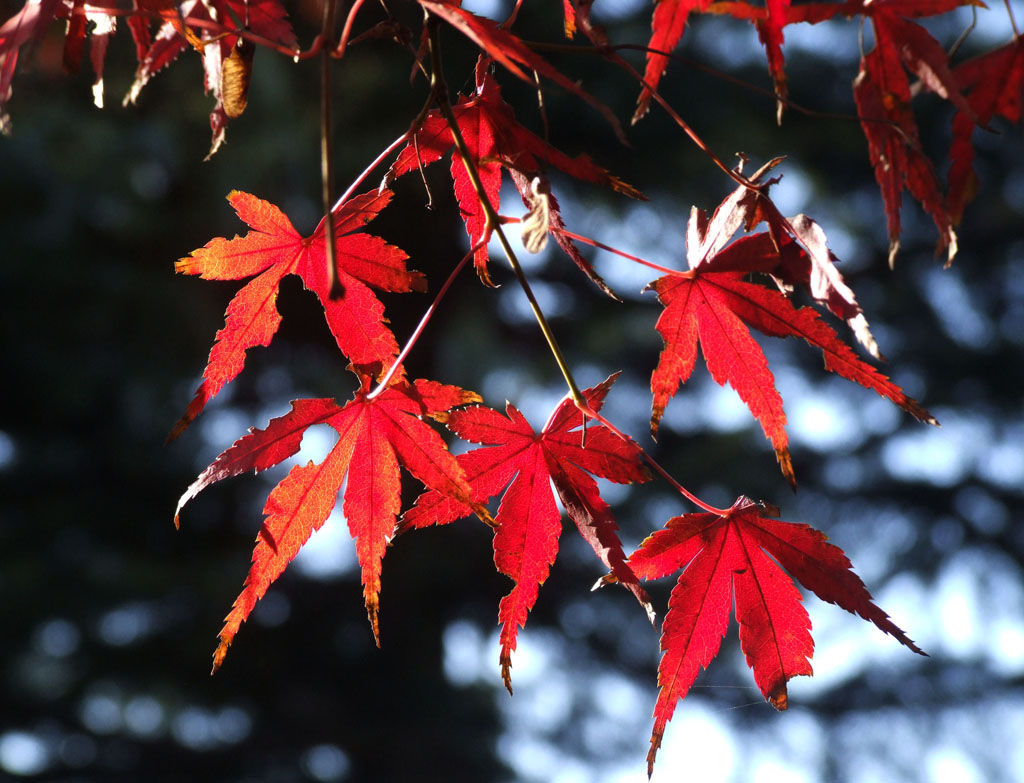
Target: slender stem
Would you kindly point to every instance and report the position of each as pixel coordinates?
(963, 36)
(790, 104)
(543, 111)
(424, 321)
(493, 222)
(588, 411)
(610, 249)
(1013, 22)
(335, 288)
(369, 169)
(610, 54)
(423, 173)
(690, 63)
(734, 175)
(347, 31)
(512, 16)
(387, 151)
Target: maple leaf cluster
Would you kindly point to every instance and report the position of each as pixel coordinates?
(513, 481)
(223, 32)
(383, 428)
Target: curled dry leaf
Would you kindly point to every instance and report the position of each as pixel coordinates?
(535, 226)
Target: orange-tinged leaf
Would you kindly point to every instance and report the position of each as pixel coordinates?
(736, 558)
(295, 509)
(375, 436)
(569, 16)
(273, 249)
(371, 508)
(260, 450)
(523, 464)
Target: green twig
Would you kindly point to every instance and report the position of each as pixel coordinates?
(439, 90)
(335, 288)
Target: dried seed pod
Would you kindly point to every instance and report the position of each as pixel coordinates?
(236, 73)
(537, 221)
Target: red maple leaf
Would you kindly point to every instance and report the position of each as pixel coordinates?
(712, 305)
(496, 140)
(882, 92)
(274, 249)
(667, 25)
(795, 252)
(769, 31)
(524, 464)
(569, 16)
(669, 22)
(995, 82)
(375, 435)
(737, 558)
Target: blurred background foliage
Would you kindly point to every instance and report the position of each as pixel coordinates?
(109, 615)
